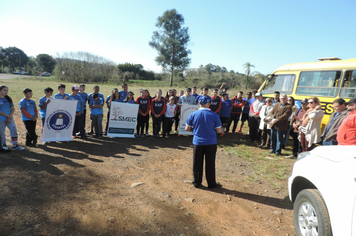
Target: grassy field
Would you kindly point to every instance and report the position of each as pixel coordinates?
(38, 84)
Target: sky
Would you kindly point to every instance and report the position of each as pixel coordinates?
(267, 34)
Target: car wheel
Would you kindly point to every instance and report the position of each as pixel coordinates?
(310, 214)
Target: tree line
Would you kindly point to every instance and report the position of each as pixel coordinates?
(171, 43)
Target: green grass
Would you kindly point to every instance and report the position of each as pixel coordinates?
(274, 170)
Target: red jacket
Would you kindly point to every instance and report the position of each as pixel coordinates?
(215, 104)
(145, 105)
(158, 107)
(237, 105)
(346, 134)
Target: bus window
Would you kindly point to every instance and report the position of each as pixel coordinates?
(348, 89)
(282, 83)
(318, 83)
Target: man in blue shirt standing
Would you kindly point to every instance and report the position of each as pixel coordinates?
(123, 92)
(204, 124)
(79, 112)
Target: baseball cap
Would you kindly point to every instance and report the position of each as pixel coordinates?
(188, 89)
(352, 100)
(249, 93)
(304, 100)
(204, 100)
(258, 94)
(75, 88)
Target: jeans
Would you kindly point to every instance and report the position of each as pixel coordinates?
(98, 124)
(331, 142)
(276, 140)
(13, 132)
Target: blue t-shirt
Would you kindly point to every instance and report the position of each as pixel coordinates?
(80, 103)
(84, 98)
(107, 99)
(30, 107)
(123, 95)
(226, 108)
(100, 96)
(195, 95)
(5, 107)
(132, 101)
(41, 103)
(59, 96)
(246, 110)
(96, 111)
(204, 122)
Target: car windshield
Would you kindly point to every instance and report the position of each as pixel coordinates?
(282, 83)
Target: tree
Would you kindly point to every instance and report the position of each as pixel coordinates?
(46, 62)
(171, 42)
(15, 57)
(3, 60)
(247, 66)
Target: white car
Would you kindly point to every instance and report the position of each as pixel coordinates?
(322, 188)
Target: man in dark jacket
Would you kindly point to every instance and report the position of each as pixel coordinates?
(330, 132)
(279, 121)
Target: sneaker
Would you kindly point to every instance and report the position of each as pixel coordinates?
(147, 134)
(143, 135)
(5, 147)
(105, 132)
(17, 147)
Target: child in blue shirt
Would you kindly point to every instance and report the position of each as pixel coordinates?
(130, 98)
(226, 107)
(84, 96)
(29, 115)
(43, 102)
(96, 90)
(79, 113)
(96, 106)
(61, 94)
(7, 109)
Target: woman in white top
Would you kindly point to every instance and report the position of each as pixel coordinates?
(264, 124)
(310, 131)
(171, 111)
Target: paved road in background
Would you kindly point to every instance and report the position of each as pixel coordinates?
(12, 76)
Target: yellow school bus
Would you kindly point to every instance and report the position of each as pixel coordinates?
(328, 79)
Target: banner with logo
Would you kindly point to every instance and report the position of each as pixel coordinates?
(59, 122)
(185, 111)
(122, 120)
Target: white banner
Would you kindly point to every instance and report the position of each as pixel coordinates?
(59, 122)
(122, 121)
(185, 111)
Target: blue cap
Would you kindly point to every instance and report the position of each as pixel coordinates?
(204, 100)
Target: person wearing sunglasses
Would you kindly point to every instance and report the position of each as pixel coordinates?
(310, 131)
(329, 134)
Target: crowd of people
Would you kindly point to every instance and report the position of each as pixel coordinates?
(271, 122)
